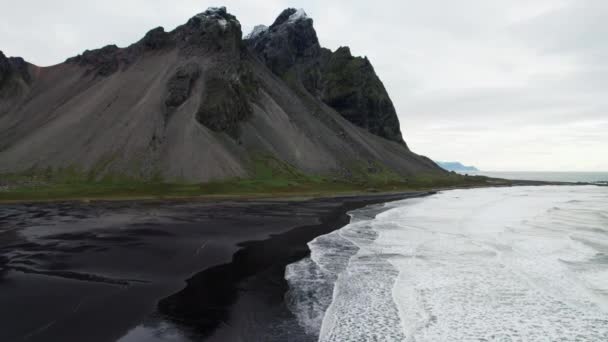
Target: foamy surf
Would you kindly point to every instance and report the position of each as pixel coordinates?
(500, 264)
(312, 280)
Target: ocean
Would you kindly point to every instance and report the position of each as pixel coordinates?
(492, 264)
(556, 176)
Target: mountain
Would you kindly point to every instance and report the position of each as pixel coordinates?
(456, 166)
(201, 103)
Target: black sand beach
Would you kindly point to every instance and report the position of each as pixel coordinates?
(111, 271)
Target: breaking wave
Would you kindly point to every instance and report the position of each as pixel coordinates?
(497, 264)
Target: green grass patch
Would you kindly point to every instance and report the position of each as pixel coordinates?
(269, 178)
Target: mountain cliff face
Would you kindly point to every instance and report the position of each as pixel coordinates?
(14, 75)
(199, 103)
(290, 48)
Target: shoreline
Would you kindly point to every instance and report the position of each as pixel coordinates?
(214, 198)
(279, 196)
(244, 299)
(56, 260)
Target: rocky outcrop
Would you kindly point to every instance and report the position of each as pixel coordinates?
(290, 48)
(102, 62)
(156, 39)
(228, 83)
(5, 68)
(225, 104)
(14, 79)
(351, 86)
(180, 85)
(109, 59)
(212, 31)
(20, 68)
(13, 67)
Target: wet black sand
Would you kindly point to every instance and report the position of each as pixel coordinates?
(110, 271)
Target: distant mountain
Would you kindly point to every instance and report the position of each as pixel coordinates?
(456, 167)
(200, 102)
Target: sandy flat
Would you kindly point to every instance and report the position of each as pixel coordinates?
(105, 271)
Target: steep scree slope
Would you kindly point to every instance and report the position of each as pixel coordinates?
(199, 103)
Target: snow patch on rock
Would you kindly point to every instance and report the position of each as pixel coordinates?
(221, 9)
(223, 23)
(219, 15)
(298, 15)
(257, 30)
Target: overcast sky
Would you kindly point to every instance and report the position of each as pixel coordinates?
(501, 84)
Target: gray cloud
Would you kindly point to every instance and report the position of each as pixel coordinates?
(578, 28)
(505, 84)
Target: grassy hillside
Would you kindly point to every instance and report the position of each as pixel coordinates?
(269, 177)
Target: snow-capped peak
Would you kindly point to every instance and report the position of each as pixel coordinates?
(213, 13)
(297, 15)
(211, 10)
(257, 30)
(219, 15)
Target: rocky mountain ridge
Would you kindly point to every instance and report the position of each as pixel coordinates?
(348, 84)
(199, 103)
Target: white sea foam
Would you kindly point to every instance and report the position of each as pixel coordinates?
(312, 279)
(501, 264)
